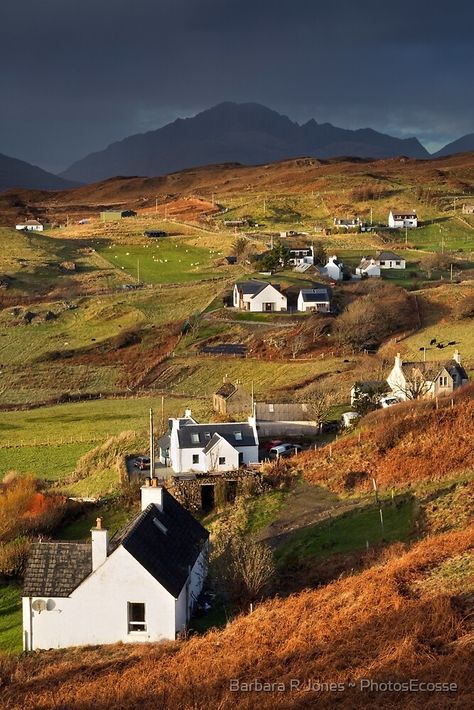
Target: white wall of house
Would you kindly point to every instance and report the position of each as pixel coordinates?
(30, 227)
(391, 263)
(320, 306)
(268, 299)
(395, 223)
(371, 271)
(97, 611)
(332, 270)
(222, 457)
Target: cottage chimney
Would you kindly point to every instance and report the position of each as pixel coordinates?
(398, 360)
(457, 356)
(100, 544)
(151, 492)
(188, 413)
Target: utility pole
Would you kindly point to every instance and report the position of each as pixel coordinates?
(138, 270)
(454, 204)
(451, 272)
(156, 204)
(371, 215)
(406, 235)
(162, 412)
(264, 207)
(152, 444)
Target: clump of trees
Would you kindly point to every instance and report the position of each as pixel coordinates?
(386, 309)
(465, 307)
(276, 258)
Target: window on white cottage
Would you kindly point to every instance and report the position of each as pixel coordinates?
(195, 458)
(136, 617)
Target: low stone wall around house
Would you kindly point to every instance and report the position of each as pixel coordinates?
(189, 492)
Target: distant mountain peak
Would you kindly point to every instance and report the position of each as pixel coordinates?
(15, 173)
(247, 133)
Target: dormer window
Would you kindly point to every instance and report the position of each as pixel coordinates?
(157, 523)
(195, 438)
(238, 435)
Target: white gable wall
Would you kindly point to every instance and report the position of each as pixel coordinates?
(221, 450)
(269, 295)
(96, 612)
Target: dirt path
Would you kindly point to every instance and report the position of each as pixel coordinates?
(306, 506)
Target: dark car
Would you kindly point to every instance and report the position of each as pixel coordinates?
(142, 463)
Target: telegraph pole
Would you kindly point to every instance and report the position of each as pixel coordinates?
(156, 204)
(138, 270)
(152, 444)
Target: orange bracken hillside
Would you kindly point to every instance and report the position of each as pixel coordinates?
(399, 446)
(408, 617)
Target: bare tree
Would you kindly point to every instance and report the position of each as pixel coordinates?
(419, 383)
(240, 246)
(318, 405)
(297, 345)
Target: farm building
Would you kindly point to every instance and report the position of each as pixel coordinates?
(154, 233)
(468, 209)
(334, 269)
(314, 299)
(231, 399)
(30, 225)
(258, 296)
(115, 215)
(140, 586)
(284, 419)
(399, 219)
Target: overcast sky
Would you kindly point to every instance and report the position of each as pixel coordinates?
(77, 75)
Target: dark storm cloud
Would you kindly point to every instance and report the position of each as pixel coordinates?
(78, 74)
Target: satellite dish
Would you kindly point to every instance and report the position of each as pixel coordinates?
(39, 605)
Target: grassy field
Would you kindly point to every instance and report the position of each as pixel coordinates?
(48, 441)
(168, 260)
(10, 618)
(349, 532)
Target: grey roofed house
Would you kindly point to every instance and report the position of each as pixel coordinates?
(55, 569)
(199, 435)
(165, 542)
(387, 256)
(403, 213)
(252, 287)
(452, 366)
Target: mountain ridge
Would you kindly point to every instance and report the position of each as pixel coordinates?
(228, 132)
(19, 174)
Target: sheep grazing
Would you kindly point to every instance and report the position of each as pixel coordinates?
(440, 345)
(433, 341)
(452, 342)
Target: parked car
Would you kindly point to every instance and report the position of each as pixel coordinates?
(284, 450)
(142, 463)
(268, 445)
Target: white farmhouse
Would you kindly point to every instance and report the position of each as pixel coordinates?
(399, 219)
(314, 299)
(424, 380)
(139, 586)
(389, 260)
(31, 225)
(190, 447)
(301, 255)
(334, 269)
(368, 267)
(258, 296)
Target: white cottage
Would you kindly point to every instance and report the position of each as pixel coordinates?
(424, 380)
(368, 267)
(140, 586)
(399, 219)
(301, 255)
(389, 260)
(190, 447)
(258, 296)
(31, 225)
(316, 300)
(334, 269)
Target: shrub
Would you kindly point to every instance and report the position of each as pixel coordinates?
(14, 556)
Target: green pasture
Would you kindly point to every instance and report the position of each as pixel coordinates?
(165, 260)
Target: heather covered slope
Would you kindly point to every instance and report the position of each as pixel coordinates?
(399, 447)
(410, 616)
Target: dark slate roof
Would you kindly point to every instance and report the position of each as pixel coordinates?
(55, 569)
(167, 556)
(212, 442)
(226, 390)
(164, 441)
(254, 287)
(403, 213)
(205, 432)
(388, 256)
(316, 295)
(452, 366)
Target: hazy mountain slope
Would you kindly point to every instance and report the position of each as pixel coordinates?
(246, 133)
(16, 173)
(461, 145)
